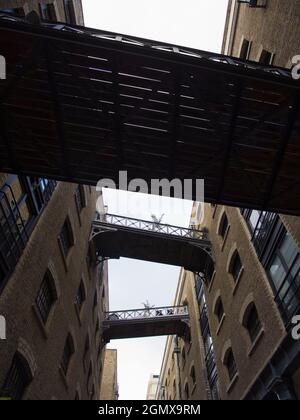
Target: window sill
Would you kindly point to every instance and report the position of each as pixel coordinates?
(256, 342)
(221, 324)
(210, 286)
(194, 388)
(237, 282)
(232, 383)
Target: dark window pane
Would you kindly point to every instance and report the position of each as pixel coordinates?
(219, 310)
(70, 12)
(17, 380)
(223, 226)
(236, 266)
(80, 296)
(231, 366)
(284, 271)
(67, 354)
(46, 297)
(79, 198)
(253, 324)
(47, 12)
(65, 238)
(266, 57)
(245, 50)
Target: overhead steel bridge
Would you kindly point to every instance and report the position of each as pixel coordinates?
(81, 104)
(146, 322)
(118, 236)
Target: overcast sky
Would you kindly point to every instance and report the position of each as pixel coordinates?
(192, 23)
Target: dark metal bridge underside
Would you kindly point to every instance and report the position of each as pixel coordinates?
(146, 323)
(118, 236)
(80, 104)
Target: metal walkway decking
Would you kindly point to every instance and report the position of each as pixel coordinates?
(118, 236)
(146, 323)
(81, 104)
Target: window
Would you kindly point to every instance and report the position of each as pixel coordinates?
(46, 297)
(17, 380)
(284, 272)
(235, 266)
(47, 12)
(80, 296)
(70, 12)
(186, 391)
(193, 375)
(266, 58)
(224, 225)
(67, 354)
(41, 191)
(66, 237)
(252, 323)
(219, 309)
(264, 227)
(230, 364)
(245, 50)
(79, 198)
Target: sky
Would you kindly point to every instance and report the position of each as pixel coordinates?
(191, 23)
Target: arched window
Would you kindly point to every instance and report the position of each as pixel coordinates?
(252, 322)
(235, 267)
(46, 297)
(193, 375)
(219, 309)
(67, 354)
(224, 225)
(17, 379)
(66, 237)
(229, 362)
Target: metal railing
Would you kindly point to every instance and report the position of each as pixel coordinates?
(160, 46)
(149, 226)
(13, 232)
(17, 222)
(167, 311)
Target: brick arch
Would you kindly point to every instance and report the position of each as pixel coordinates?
(231, 254)
(226, 347)
(25, 351)
(246, 306)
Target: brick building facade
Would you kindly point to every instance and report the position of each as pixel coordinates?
(52, 295)
(241, 315)
(109, 384)
(69, 11)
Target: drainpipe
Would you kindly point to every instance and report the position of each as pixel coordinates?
(176, 352)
